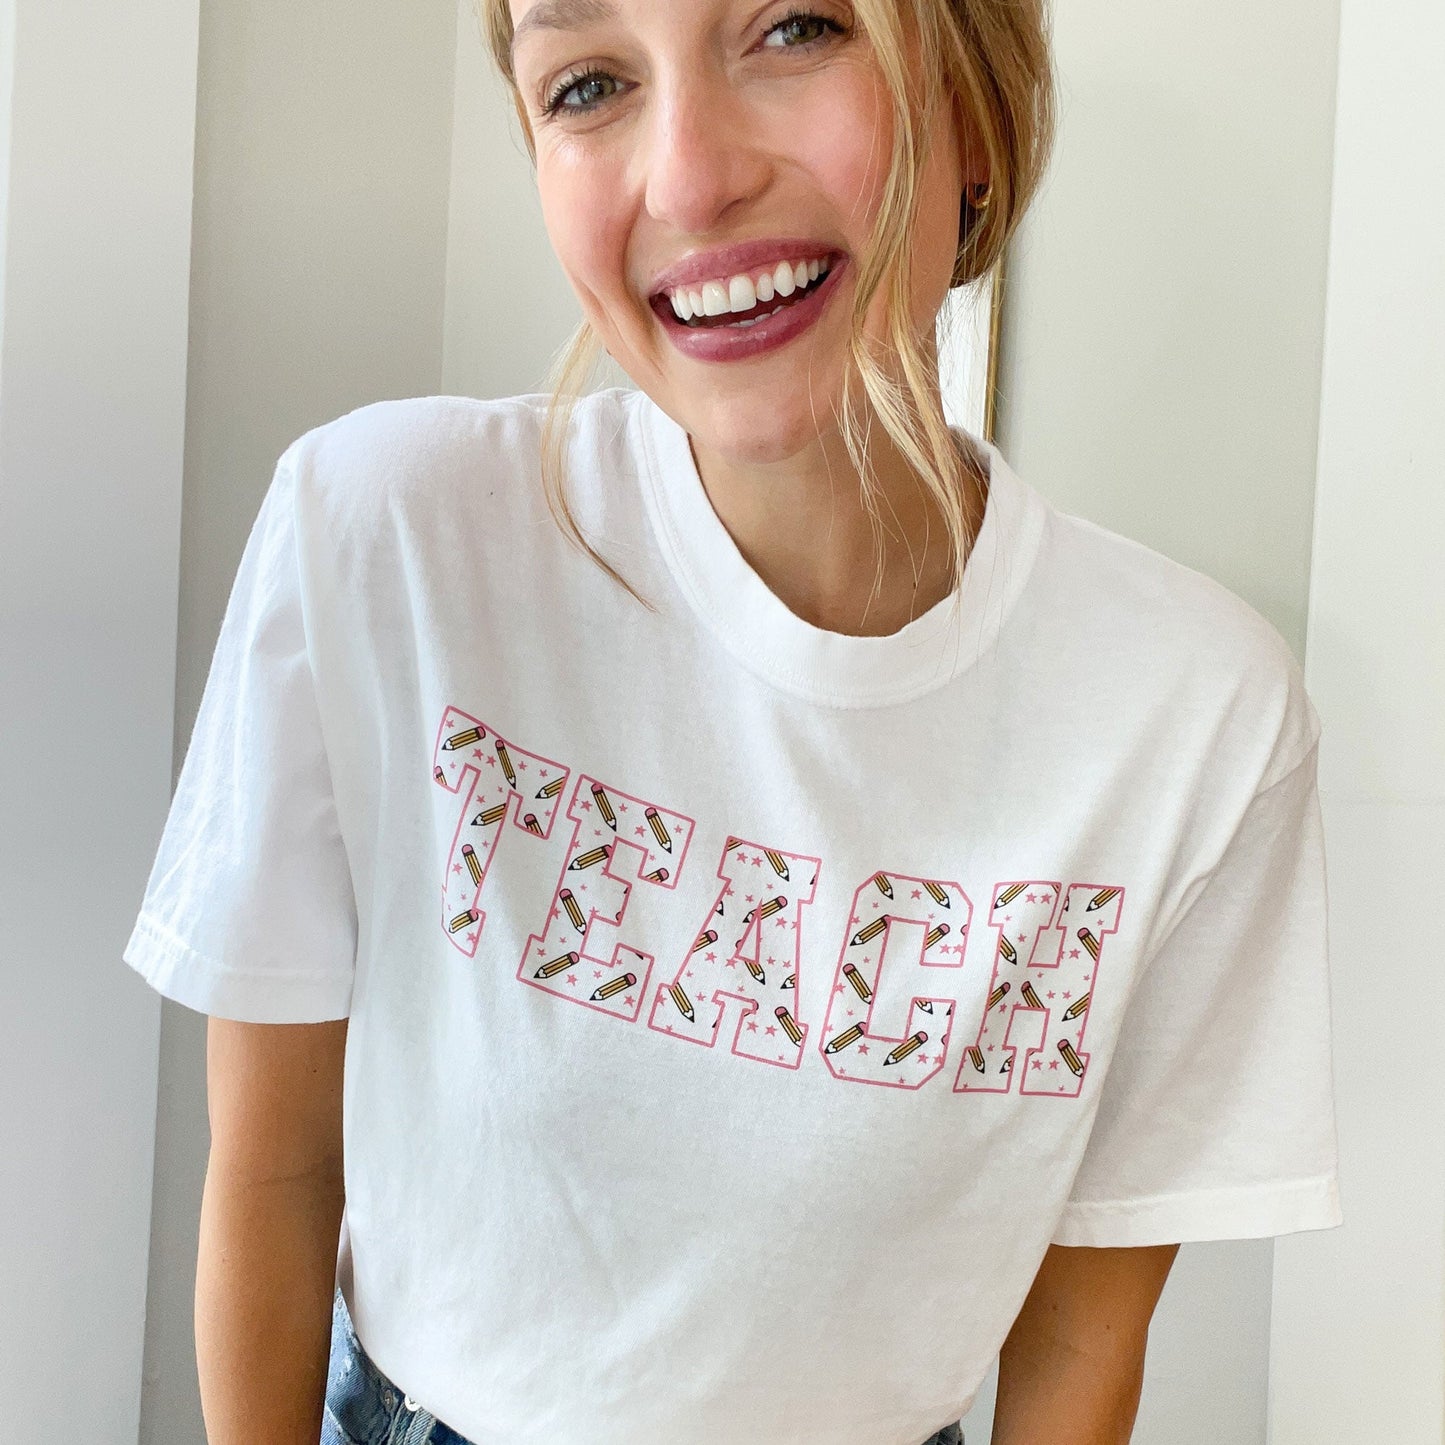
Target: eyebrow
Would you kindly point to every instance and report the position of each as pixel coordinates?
(562, 15)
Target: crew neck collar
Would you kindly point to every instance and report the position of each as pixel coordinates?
(833, 669)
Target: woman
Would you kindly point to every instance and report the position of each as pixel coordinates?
(813, 921)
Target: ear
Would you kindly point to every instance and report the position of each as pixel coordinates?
(972, 158)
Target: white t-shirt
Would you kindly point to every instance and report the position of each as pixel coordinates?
(739, 1009)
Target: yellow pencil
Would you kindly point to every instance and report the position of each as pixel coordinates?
(903, 1050)
(869, 933)
(565, 960)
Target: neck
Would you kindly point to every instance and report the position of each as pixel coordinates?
(803, 526)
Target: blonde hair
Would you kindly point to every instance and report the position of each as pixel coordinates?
(992, 59)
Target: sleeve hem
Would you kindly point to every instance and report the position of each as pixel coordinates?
(1258, 1211)
(179, 972)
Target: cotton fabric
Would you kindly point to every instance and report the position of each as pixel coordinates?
(754, 1004)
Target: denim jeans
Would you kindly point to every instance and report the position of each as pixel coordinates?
(363, 1407)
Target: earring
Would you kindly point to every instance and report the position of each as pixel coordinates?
(979, 197)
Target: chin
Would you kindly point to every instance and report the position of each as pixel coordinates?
(759, 427)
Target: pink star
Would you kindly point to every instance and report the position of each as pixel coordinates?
(862, 1048)
(476, 752)
(571, 978)
(1053, 1063)
(771, 1029)
(917, 893)
(491, 761)
(752, 1026)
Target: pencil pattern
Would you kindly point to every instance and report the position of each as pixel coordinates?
(1050, 939)
(893, 1028)
(487, 773)
(738, 980)
(744, 973)
(617, 839)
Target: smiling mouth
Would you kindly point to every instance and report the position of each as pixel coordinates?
(760, 311)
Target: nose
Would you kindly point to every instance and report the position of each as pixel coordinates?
(702, 156)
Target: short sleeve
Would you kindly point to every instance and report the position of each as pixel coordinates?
(1216, 1117)
(249, 912)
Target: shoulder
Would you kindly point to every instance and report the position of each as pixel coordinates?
(424, 450)
(1198, 649)
(389, 442)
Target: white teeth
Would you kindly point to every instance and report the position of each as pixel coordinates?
(741, 296)
(714, 298)
(743, 293)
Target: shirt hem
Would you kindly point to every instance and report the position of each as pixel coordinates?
(182, 973)
(1258, 1211)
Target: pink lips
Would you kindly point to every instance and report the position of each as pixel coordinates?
(739, 343)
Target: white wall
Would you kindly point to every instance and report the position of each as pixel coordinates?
(1160, 375)
(98, 135)
(1360, 1312)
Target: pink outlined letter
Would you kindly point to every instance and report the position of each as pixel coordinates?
(746, 953)
(579, 955)
(891, 1026)
(486, 772)
(1039, 990)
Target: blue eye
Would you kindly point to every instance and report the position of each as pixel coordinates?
(588, 80)
(584, 81)
(805, 18)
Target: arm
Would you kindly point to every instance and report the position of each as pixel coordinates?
(1072, 1366)
(270, 1223)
